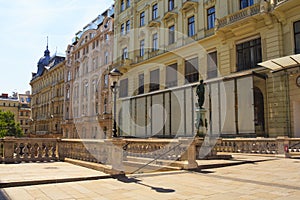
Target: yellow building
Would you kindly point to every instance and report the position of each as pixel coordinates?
(87, 111)
(10, 104)
(165, 47)
(47, 86)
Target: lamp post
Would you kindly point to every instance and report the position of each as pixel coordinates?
(114, 75)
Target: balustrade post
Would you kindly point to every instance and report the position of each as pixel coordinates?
(189, 157)
(8, 149)
(60, 148)
(283, 147)
(115, 155)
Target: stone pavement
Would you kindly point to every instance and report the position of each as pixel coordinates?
(251, 177)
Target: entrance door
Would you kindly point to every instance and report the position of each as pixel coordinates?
(296, 119)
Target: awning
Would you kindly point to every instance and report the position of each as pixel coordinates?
(283, 63)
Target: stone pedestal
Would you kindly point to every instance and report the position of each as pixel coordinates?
(115, 155)
(8, 147)
(200, 122)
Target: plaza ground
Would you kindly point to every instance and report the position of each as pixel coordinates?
(243, 177)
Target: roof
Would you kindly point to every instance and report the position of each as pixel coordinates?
(283, 63)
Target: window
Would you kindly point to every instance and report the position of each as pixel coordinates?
(297, 36)
(154, 80)
(69, 76)
(68, 94)
(105, 106)
(142, 19)
(211, 18)
(171, 76)
(171, 5)
(106, 37)
(154, 11)
(106, 80)
(212, 65)
(171, 34)
(245, 3)
(125, 53)
(142, 48)
(191, 71)
(191, 26)
(122, 5)
(106, 58)
(123, 89)
(127, 26)
(155, 42)
(128, 4)
(248, 54)
(141, 84)
(123, 29)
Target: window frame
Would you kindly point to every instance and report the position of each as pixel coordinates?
(155, 42)
(212, 67)
(171, 34)
(154, 80)
(191, 72)
(211, 16)
(142, 48)
(142, 18)
(123, 88)
(155, 11)
(296, 35)
(171, 76)
(191, 26)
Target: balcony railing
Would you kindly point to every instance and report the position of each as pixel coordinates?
(242, 14)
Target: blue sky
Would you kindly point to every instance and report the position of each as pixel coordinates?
(25, 25)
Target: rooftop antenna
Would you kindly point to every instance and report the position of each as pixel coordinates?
(47, 42)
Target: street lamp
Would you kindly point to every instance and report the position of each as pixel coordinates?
(114, 76)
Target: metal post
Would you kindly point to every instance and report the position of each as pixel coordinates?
(114, 90)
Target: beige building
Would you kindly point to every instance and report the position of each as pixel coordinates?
(87, 112)
(11, 104)
(165, 47)
(25, 112)
(47, 102)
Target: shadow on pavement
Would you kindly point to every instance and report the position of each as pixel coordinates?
(3, 195)
(125, 179)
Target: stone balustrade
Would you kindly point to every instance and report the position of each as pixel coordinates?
(16, 150)
(241, 14)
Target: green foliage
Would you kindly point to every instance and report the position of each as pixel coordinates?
(8, 126)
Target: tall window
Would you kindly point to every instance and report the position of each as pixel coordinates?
(125, 53)
(122, 29)
(106, 58)
(142, 18)
(128, 4)
(171, 5)
(248, 54)
(105, 79)
(127, 26)
(155, 11)
(171, 76)
(142, 48)
(154, 80)
(211, 17)
(246, 3)
(297, 36)
(123, 90)
(141, 88)
(171, 34)
(191, 71)
(155, 42)
(122, 5)
(191, 26)
(212, 65)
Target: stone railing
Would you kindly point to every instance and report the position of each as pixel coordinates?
(16, 150)
(241, 14)
(85, 150)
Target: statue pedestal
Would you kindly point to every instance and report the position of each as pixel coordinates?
(200, 122)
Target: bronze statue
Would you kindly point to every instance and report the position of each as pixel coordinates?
(200, 93)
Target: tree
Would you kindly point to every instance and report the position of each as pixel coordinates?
(8, 126)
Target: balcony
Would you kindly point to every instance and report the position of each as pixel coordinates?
(238, 16)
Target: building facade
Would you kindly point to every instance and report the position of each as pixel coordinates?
(47, 102)
(25, 112)
(164, 48)
(87, 100)
(10, 103)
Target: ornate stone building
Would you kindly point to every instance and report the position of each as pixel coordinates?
(10, 103)
(165, 47)
(87, 100)
(47, 102)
